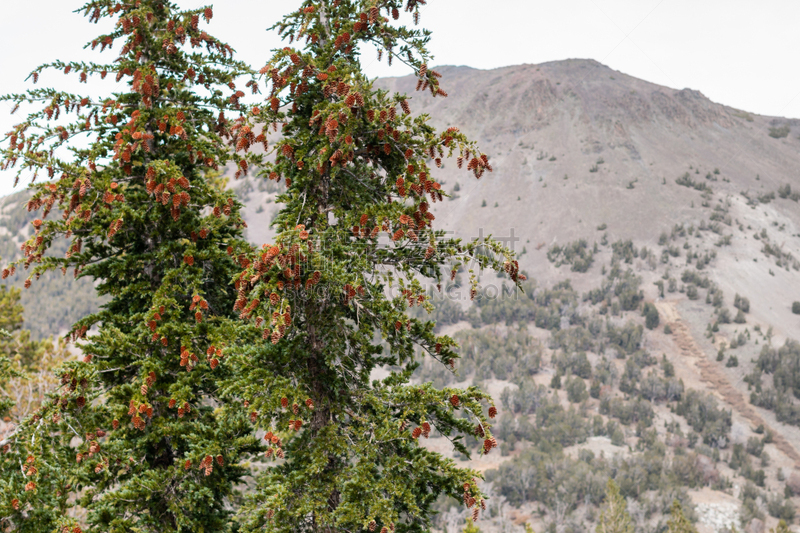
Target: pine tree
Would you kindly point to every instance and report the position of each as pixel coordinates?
(153, 447)
(678, 523)
(354, 251)
(174, 386)
(615, 517)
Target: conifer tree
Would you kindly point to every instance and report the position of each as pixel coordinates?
(678, 523)
(355, 249)
(615, 517)
(136, 432)
(173, 386)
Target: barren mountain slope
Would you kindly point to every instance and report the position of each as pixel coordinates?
(579, 111)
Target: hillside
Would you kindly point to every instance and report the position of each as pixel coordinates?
(648, 200)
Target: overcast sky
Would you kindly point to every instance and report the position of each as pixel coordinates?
(742, 53)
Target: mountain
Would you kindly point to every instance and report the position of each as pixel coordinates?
(630, 204)
(578, 112)
(547, 127)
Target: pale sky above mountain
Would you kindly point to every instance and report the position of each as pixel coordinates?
(741, 53)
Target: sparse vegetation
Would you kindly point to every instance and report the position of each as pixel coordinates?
(779, 132)
(687, 181)
(577, 254)
(709, 421)
(783, 364)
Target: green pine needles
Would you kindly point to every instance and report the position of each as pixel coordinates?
(137, 438)
(227, 387)
(615, 517)
(678, 523)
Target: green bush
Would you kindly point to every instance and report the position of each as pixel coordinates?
(702, 414)
(782, 363)
(741, 303)
(651, 316)
(796, 308)
(575, 363)
(578, 254)
(779, 132)
(755, 446)
(576, 390)
(687, 181)
(617, 437)
(628, 338)
(782, 508)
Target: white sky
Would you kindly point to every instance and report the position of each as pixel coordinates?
(743, 53)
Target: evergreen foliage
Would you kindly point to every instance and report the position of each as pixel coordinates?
(741, 303)
(651, 316)
(783, 364)
(678, 523)
(25, 375)
(205, 342)
(578, 254)
(154, 446)
(615, 517)
(354, 243)
(703, 415)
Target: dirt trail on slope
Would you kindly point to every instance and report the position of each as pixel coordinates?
(716, 378)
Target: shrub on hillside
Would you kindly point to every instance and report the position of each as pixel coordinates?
(741, 303)
(704, 417)
(651, 316)
(578, 254)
